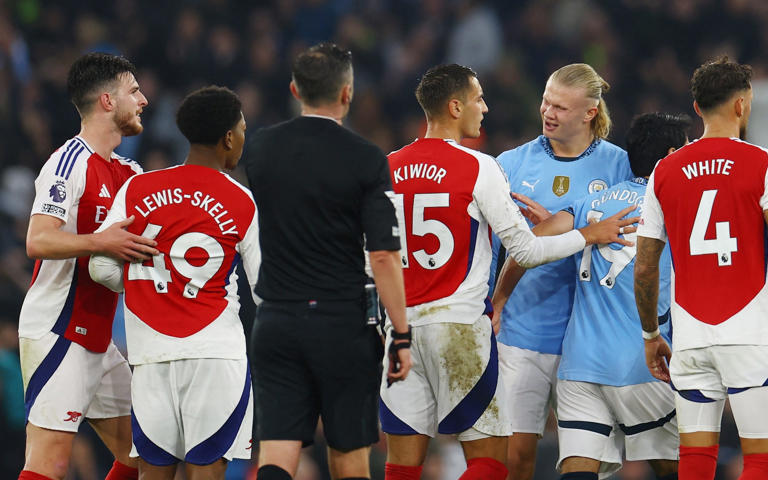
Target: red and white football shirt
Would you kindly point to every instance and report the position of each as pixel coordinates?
(183, 303)
(447, 199)
(708, 199)
(77, 186)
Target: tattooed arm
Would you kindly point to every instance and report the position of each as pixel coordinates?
(646, 298)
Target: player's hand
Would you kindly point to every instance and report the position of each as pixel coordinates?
(496, 318)
(119, 243)
(399, 362)
(532, 210)
(609, 229)
(657, 358)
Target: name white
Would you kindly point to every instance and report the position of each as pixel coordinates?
(716, 166)
(198, 199)
(419, 170)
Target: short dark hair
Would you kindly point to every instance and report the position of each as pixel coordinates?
(650, 137)
(91, 72)
(440, 84)
(320, 72)
(717, 80)
(207, 114)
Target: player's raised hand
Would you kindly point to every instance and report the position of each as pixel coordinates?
(532, 210)
(657, 358)
(119, 243)
(609, 229)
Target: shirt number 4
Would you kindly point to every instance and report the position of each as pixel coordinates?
(723, 245)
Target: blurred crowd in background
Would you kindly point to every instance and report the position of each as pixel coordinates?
(646, 49)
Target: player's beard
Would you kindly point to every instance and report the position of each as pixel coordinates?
(128, 123)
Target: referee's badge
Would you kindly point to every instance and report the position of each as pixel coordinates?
(560, 185)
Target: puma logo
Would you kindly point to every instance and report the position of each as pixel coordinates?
(532, 186)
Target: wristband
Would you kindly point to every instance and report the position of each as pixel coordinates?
(651, 335)
(401, 336)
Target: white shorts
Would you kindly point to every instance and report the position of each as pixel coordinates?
(599, 421)
(454, 386)
(704, 377)
(196, 410)
(64, 382)
(530, 379)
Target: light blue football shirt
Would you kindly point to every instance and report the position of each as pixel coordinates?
(538, 310)
(603, 342)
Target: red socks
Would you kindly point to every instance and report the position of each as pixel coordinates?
(755, 467)
(401, 472)
(122, 472)
(27, 475)
(698, 463)
(484, 468)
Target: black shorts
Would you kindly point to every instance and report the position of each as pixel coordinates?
(316, 359)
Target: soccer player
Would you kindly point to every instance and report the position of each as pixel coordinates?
(184, 336)
(709, 200)
(571, 158)
(448, 198)
(71, 368)
(606, 407)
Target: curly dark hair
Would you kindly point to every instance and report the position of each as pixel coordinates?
(207, 114)
(717, 80)
(93, 72)
(650, 137)
(441, 83)
(320, 72)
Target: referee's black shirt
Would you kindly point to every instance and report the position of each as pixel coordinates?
(318, 188)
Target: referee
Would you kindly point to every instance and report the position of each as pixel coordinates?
(321, 193)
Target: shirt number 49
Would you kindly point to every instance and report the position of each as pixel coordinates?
(723, 245)
(198, 275)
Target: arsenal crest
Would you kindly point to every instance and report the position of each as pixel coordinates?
(560, 185)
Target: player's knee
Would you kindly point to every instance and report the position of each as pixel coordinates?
(272, 472)
(484, 468)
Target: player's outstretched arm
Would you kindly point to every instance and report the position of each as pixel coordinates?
(512, 272)
(657, 352)
(46, 240)
(388, 275)
(609, 229)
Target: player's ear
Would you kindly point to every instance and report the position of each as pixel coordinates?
(227, 140)
(738, 106)
(696, 108)
(591, 113)
(455, 107)
(107, 101)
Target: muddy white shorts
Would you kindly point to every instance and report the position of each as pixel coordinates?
(193, 410)
(454, 386)
(65, 383)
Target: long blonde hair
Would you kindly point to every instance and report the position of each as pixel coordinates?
(583, 75)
